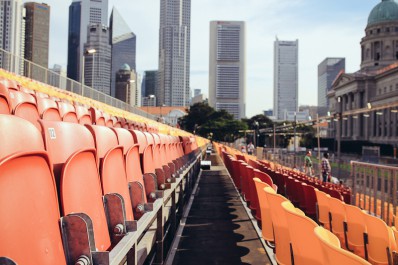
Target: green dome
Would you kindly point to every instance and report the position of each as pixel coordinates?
(125, 67)
(385, 11)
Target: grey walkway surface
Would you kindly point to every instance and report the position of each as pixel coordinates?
(218, 229)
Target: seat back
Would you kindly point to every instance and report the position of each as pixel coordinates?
(30, 232)
(337, 216)
(83, 115)
(5, 102)
(310, 200)
(24, 106)
(306, 249)
(67, 111)
(264, 211)
(356, 227)
(332, 252)
(112, 167)
(48, 109)
(72, 151)
(281, 229)
(322, 200)
(381, 241)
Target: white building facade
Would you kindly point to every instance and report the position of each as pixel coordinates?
(285, 77)
(227, 67)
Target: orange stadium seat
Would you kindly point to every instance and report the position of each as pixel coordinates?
(48, 109)
(111, 161)
(322, 200)
(354, 230)
(332, 253)
(30, 232)
(72, 151)
(337, 218)
(24, 106)
(267, 229)
(306, 250)
(67, 111)
(83, 114)
(281, 229)
(5, 101)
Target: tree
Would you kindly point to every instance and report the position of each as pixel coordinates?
(205, 121)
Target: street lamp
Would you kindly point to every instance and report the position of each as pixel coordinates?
(255, 138)
(86, 52)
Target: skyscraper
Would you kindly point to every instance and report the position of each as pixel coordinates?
(11, 34)
(328, 70)
(150, 83)
(285, 77)
(82, 13)
(37, 31)
(174, 53)
(227, 67)
(123, 42)
(97, 66)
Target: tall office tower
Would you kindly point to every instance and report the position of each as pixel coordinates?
(197, 92)
(123, 42)
(11, 35)
(227, 67)
(174, 53)
(82, 13)
(149, 83)
(37, 32)
(57, 76)
(128, 83)
(97, 66)
(285, 77)
(328, 70)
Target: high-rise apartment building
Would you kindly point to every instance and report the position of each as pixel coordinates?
(123, 42)
(37, 38)
(174, 53)
(97, 65)
(285, 77)
(82, 13)
(227, 67)
(328, 70)
(149, 83)
(12, 35)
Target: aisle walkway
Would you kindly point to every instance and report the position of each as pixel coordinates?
(218, 229)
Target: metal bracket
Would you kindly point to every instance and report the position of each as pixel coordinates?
(116, 215)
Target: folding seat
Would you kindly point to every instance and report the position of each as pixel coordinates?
(304, 246)
(72, 151)
(5, 101)
(29, 213)
(236, 173)
(281, 229)
(161, 169)
(264, 177)
(48, 109)
(110, 156)
(243, 180)
(335, 194)
(264, 214)
(251, 189)
(27, 91)
(67, 111)
(11, 84)
(355, 227)
(322, 206)
(310, 200)
(379, 241)
(337, 218)
(83, 114)
(142, 187)
(290, 189)
(24, 106)
(332, 253)
(300, 196)
(97, 117)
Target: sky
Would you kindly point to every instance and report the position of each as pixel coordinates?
(324, 28)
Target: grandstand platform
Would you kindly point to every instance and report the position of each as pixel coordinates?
(218, 229)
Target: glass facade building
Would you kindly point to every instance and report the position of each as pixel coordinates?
(123, 42)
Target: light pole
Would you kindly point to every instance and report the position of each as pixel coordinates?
(294, 138)
(87, 51)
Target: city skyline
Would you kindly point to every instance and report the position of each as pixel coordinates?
(324, 29)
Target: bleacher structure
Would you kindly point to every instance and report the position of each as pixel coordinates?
(306, 221)
(82, 182)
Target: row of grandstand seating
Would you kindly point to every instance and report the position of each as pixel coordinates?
(80, 178)
(323, 229)
(33, 105)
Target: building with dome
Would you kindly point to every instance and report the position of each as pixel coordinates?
(127, 84)
(365, 103)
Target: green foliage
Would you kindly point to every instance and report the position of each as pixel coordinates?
(206, 122)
